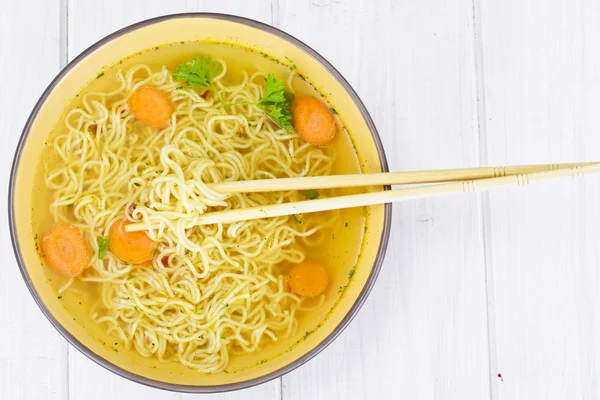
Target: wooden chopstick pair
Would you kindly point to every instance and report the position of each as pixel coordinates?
(465, 180)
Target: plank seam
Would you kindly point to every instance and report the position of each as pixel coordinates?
(275, 13)
(484, 198)
(63, 44)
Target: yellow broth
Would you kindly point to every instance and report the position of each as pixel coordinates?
(338, 251)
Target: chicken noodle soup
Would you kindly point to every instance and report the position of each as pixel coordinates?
(142, 143)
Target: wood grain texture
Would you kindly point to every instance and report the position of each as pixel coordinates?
(32, 353)
(542, 90)
(91, 21)
(423, 332)
(449, 84)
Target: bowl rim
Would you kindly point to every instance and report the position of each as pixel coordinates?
(383, 243)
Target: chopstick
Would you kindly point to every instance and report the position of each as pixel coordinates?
(380, 197)
(383, 178)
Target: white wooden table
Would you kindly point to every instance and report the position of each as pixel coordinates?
(493, 296)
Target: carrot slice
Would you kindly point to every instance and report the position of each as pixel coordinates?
(313, 121)
(64, 249)
(308, 279)
(130, 247)
(151, 106)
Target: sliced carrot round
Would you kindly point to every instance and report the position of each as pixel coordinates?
(308, 279)
(151, 106)
(64, 249)
(313, 121)
(130, 247)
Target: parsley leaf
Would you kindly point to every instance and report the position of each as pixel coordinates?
(311, 194)
(199, 72)
(276, 102)
(333, 111)
(296, 219)
(274, 91)
(102, 246)
(289, 97)
(281, 115)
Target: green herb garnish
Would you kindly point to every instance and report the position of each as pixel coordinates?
(100, 75)
(274, 91)
(296, 219)
(103, 243)
(199, 72)
(333, 111)
(276, 102)
(351, 273)
(311, 194)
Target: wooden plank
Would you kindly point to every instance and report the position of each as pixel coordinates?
(33, 362)
(542, 89)
(90, 381)
(423, 331)
(89, 22)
